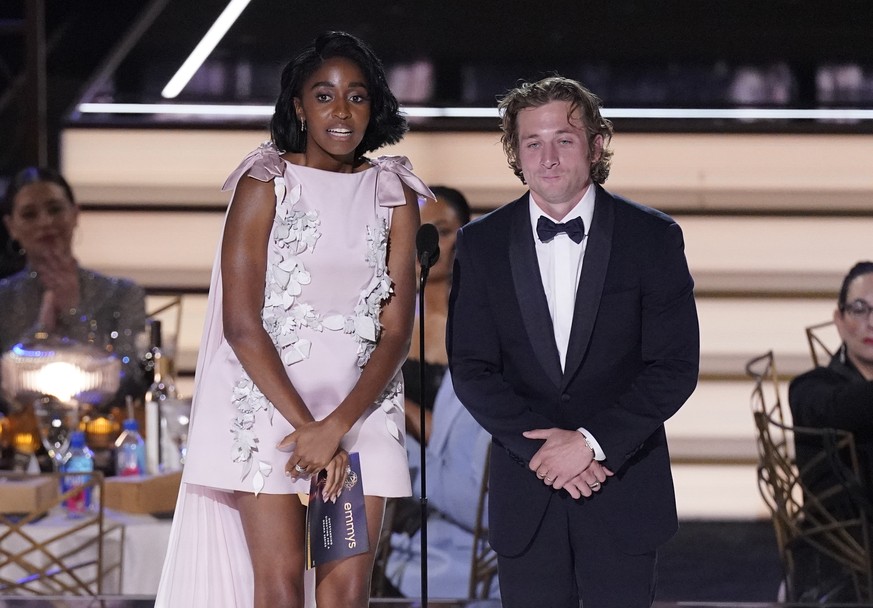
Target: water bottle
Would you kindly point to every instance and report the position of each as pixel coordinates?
(130, 454)
(79, 460)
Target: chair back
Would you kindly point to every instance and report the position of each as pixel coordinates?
(823, 341)
(379, 583)
(44, 552)
(168, 310)
(483, 566)
(822, 532)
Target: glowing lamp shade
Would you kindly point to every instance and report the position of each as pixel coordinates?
(47, 365)
(60, 379)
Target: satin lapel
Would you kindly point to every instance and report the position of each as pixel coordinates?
(530, 294)
(591, 281)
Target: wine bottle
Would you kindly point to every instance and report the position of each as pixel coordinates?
(162, 388)
(163, 385)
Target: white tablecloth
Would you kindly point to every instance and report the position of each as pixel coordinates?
(145, 543)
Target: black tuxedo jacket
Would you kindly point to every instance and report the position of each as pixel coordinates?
(632, 361)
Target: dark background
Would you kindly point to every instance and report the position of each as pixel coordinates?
(669, 53)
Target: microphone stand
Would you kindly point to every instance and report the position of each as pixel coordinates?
(425, 269)
(428, 250)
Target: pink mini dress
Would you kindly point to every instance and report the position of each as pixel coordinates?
(325, 285)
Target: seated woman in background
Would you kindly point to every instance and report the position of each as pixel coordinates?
(448, 213)
(839, 396)
(455, 457)
(53, 292)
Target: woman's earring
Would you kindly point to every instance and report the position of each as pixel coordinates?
(303, 126)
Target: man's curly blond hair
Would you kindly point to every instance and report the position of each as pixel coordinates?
(556, 88)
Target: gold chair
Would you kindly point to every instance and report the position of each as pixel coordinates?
(165, 305)
(378, 579)
(43, 552)
(823, 534)
(823, 342)
(483, 562)
(483, 567)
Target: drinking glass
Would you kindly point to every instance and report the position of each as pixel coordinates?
(175, 414)
(56, 421)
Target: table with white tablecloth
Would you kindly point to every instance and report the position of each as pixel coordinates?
(141, 541)
(145, 543)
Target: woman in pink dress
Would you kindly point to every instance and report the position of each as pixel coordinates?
(309, 320)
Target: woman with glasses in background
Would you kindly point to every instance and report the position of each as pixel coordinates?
(839, 396)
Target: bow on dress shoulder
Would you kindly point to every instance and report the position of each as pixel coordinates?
(389, 191)
(263, 163)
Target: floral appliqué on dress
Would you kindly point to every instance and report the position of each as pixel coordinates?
(365, 323)
(295, 233)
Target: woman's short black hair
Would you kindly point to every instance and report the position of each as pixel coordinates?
(32, 175)
(387, 125)
(454, 199)
(859, 269)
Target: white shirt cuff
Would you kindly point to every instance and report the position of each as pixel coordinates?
(599, 455)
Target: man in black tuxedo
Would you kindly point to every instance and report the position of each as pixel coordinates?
(572, 337)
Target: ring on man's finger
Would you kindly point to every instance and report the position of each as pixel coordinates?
(549, 479)
(299, 469)
(594, 485)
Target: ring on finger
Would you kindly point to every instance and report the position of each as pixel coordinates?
(299, 469)
(549, 479)
(594, 485)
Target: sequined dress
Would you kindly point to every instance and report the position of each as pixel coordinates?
(110, 310)
(326, 282)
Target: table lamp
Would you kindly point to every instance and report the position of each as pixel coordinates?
(58, 376)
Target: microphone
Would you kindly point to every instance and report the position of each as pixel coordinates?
(427, 243)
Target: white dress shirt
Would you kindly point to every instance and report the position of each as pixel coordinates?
(560, 261)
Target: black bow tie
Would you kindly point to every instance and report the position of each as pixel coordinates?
(547, 229)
